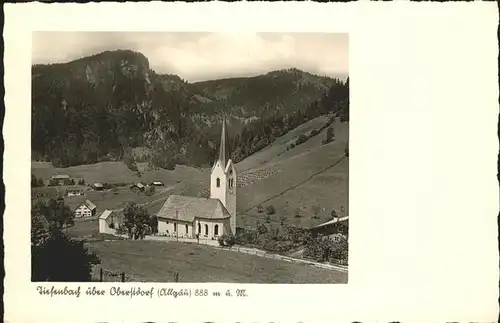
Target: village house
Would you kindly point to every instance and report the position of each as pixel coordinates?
(157, 183)
(86, 209)
(337, 225)
(138, 187)
(75, 191)
(98, 186)
(110, 221)
(60, 180)
(209, 218)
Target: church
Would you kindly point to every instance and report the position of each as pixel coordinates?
(207, 218)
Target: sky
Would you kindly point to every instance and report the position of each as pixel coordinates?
(204, 56)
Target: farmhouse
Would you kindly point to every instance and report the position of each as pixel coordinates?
(85, 209)
(98, 186)
(74, 191)
(138, 187)
(61, 180)
(337, 225)
(109, 221)
(209, 218)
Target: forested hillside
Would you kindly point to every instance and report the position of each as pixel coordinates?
(97, 108)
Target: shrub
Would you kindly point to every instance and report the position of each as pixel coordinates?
(282, 219)
(292, 146)
(228, 239)
(315, 209)
(270, 210)
(262, 229)
(330, 135)
(302, 138)
(260, 209)
(121, 229)
(247, 236)
(297, 213)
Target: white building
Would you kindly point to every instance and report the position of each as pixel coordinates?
(109, 221)
(75, 191)
(85, 209)
(209, 218)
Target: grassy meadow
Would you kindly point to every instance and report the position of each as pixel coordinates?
(155, 261)
(311, 174)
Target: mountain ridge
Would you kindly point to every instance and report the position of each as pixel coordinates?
(98, 107)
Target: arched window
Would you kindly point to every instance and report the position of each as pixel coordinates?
(218, 182)
(206, 229)
(199, 228)
(187, 229)
(216, 230)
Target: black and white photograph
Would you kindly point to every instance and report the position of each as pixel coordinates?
(190, 157)
(200, 162)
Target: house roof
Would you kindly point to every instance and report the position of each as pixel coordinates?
(89, 204)
(97, 185)
(139, 185)
(343, 220)
(188, 208)
(105, 214)
(60, 177)
(157, 182)
(75, 188)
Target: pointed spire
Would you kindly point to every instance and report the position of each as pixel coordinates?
(224, 152)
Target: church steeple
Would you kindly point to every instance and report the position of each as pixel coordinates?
(224, 151)
(223, 179)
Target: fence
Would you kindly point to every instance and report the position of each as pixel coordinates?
(262, 253)
(183, 239)
(102, 275)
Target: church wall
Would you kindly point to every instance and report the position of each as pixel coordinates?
(167, 226)
(223, 224)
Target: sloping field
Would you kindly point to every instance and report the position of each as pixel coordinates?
(278, 147)
(327, 190)
(155, 261)
(309, 174)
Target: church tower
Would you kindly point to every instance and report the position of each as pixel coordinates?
(223, 178)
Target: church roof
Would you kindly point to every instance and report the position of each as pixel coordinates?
(224, 151)
(188, 208)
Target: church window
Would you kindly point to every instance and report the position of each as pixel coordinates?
(216, 230)
(206, 229)
(199, 228)
(187, 229)
(218, 182)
